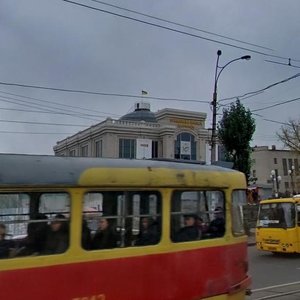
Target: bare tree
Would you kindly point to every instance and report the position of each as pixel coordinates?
(289, 134)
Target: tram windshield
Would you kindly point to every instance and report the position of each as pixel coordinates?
(276, 215)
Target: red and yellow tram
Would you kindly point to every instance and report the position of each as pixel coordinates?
(86, 190)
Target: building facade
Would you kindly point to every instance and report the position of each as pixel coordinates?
(278, 169)
(142, 134)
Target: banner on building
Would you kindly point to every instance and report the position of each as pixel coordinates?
(143, 148)
(185, 148)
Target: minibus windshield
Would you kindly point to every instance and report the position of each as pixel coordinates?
(276, 215)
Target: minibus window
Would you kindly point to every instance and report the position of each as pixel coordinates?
(276, 215)
(298, 213)
(239, 199)
(114, 219)
(197, 215)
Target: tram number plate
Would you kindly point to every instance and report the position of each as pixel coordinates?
(272, 248)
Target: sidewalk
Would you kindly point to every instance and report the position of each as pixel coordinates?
(251, 239)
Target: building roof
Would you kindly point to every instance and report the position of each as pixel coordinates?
(141, 113)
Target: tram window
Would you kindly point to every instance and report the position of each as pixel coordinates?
(14, 213)
(239, 199)
(114, 219)
(197, 215)
(37, 223)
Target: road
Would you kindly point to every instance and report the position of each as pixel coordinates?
(269, 270)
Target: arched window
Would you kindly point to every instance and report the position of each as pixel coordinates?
(185, 146)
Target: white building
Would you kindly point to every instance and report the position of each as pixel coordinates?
(277, 168)
(168, 133)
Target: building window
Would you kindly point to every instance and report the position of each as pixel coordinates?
(286, 185)
(154, 149)
(185, 146)
(296, 166)
(98, 148)
(254, 173)
(127, 148)
(84, 151)
(275, 161)
(284, 166)
(72, 152)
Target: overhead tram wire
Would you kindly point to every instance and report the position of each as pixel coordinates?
(179, 24)
(43, 123)
(29, 132)
(276, 104)
(52, 110)
(99, 93)
(279, 63)
(245, 96)
(172, 29)
(60, 104)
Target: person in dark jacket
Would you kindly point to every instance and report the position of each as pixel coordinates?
(35, 240)
(217, 226)
(149, 233)
(190, 231)
(5, 245)
(58, 236)
(105, 238)
(85, 236)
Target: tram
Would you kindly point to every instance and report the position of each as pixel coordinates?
(54, 243)
(278, 225)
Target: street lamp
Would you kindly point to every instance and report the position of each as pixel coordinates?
(291, 173)
(276, 181)
(218, 72)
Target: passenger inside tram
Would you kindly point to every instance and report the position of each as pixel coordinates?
(149, 232)
(105, 237)
(57, 240)
(5, 244)
(190, 231)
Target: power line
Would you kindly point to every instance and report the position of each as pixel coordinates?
(44, 110)
(98, 93)
(181, 25)
(279, 63)
(172, 29)
(277, 104)
(60, 104)
(42, 123)
(28, 132)
(254, 93)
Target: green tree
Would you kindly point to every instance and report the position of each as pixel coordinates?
(235, 132)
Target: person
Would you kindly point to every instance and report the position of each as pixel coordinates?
(149, 234)
(105, 238)
(5, 245)
(86, 236)
(202, 226)
(190, 230)
(58, 236)
(217, 225)
(35, 240)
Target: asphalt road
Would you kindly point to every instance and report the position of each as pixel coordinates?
(269, 270)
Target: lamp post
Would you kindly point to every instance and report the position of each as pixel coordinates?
(276, 181)
(291, 173)
(218, 72)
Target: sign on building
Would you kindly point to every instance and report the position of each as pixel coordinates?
(185, 148)
(143, 148)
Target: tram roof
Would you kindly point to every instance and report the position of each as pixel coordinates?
(46, 170)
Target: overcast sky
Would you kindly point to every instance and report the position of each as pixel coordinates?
(56, 44)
